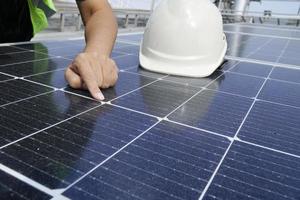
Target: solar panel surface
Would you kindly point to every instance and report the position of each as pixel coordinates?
(233, 135)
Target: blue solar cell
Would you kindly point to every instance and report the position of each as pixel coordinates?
(130, 38)
(116, 54)
(7, 59)
(69, 150)
(35, 67)
(15, 90)
(159, 98)
(128, 61)
(133, 49)
(63, 51)
(250, 172)
(120, 44)
(42, 139)
(54, 78)
(12, 188)
(286, 74)
(29, 116)
(127, 82)
(273, 126)
(291, 61)
(214, 111)
(281, 92)
(168, 162)
(39, 46)
(252, 69)
(238, 84)
(228, 65)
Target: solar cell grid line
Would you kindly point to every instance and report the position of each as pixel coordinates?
(38, 83)
(266, 55)
(285, 74)
(20, 57)
(280, 28)
(232, 142)
(134, 155)
(272, 51)
(260, 47)
(16, 90)
(124, 62)
(41, 73)
(41, 46)
(203, 85)
(5, 77)
(265, 173)
(167, 79)
(254, 69)
(119, 151)
(278, 36)
(160, 106)
(286, 93)
(35, 67)
(255, 144)
(283, 50)
(9, 49)
(23, 129)
(253, 60)
(128, 41)
(279, 132)
(238, 84)
(265, 31)
(69, 139)
(252, 144)
(246, 47)
(268, 27)
(127, 84)
(55, 79)
(12, 188)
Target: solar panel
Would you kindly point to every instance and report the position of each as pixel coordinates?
(232, 135)
(276, 48)
(263, 31)
(12, 188)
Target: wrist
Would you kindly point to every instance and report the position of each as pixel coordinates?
(97, 50)
(97, 54)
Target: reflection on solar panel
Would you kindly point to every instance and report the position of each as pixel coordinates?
(233, 135)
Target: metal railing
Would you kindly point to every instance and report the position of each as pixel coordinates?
(261, 16)
(120, 10)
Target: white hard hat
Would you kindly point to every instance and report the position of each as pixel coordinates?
(184, 37)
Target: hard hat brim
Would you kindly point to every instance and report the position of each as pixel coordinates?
(195, 68)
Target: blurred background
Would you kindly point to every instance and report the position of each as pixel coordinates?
(133, 15)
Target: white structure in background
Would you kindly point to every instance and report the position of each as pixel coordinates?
(132, 4)
(129, 4)
(240, 6)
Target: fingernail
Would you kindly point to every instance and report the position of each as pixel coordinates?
(100, 96)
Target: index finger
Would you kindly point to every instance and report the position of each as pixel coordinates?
(85, 71)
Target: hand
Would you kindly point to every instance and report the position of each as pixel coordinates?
(90, 71)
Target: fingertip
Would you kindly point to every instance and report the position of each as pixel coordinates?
(99, 96)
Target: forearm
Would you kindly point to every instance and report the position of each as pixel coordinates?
(100, 32)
